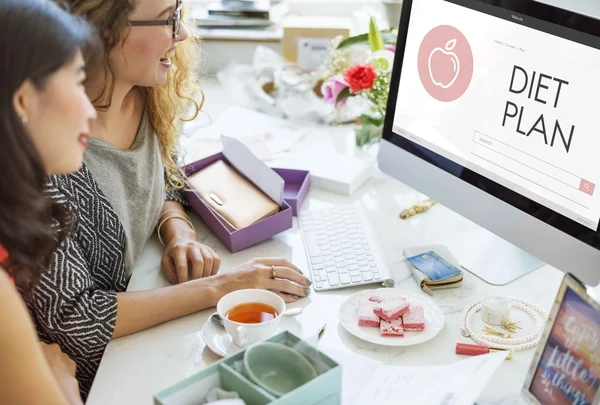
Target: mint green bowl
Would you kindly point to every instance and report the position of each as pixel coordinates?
(277, 368)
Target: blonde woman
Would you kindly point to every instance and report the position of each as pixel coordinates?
(142, 91)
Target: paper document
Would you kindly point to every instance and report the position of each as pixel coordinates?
(256, 171)
(454, 384)
(459, 383)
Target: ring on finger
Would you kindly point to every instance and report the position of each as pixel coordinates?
(273, 274)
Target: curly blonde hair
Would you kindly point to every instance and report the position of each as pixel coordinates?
(168, 106)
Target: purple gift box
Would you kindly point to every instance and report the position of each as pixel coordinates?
(297, 183)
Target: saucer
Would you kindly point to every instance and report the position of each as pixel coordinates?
(220, 342)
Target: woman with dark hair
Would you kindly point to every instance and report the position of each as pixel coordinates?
(44, 126)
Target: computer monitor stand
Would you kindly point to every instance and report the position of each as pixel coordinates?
(491, 258)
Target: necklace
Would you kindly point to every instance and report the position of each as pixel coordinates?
(538, 314)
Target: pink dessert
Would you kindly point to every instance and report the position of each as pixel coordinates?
(393, 328)
(414, 319)
(366, 316)
(376, 298)
(391, 308)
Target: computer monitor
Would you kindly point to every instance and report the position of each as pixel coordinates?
(494, 111)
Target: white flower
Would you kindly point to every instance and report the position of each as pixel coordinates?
(358, 53)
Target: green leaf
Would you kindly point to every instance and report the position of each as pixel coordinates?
(388, 36)
(343, 95)
(375, 40)
(368, 120)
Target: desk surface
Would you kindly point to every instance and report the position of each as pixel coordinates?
(137, 366)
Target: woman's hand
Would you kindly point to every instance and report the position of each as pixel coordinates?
(289, 283)
(63, 369)
(187, 259)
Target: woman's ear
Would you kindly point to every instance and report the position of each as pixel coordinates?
(23, 100)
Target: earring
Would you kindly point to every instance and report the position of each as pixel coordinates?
(24, 119)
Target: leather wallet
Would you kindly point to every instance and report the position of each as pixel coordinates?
(424, 281)
(234, 199)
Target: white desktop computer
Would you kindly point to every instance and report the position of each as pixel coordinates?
(494, 111)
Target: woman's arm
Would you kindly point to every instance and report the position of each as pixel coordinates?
(184, 257)
(143, 309)
(25, 375)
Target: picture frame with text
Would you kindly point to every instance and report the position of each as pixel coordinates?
(566, 366)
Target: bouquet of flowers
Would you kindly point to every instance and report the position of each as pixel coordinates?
(361, 67)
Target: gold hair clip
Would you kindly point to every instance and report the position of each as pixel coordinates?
(417, 208)
(511, 326)
(491, 331)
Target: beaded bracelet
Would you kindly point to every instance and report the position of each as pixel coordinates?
(537, 313)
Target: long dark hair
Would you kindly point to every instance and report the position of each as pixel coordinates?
(37, 38)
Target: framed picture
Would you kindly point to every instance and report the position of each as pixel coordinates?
(566, 366)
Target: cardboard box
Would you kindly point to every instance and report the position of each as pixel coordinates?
(326, 389)
(306, 38)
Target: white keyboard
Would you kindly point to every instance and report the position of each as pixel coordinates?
(342, 249)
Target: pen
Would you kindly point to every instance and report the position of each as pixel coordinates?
(475, 350)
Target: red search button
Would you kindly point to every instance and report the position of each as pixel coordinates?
(587, 187)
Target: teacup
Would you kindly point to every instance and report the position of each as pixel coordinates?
(245, 334)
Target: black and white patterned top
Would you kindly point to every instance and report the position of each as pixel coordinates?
(75, 303)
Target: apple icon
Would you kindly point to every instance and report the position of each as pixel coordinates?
(444, 65)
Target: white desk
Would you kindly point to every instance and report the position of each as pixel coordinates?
(137, 366)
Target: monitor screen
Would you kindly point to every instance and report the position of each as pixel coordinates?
(507, 101)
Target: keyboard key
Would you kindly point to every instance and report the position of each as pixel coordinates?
(377, 276)
(362, 263)
(330, 269)
(333, 279)
(340, 265)
(328, 263)
(317, 266)
(355, 273)
(356, 279)
(312, 245)
(344, 279)
(342, 270)
(352, 267)
(367, 276)
(365, 269)
(316, 260)
(319, 285)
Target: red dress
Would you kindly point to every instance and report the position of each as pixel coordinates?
(3, 257)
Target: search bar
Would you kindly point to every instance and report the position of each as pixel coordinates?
(533, 169)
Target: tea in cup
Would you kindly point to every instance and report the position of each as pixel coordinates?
(251, 315)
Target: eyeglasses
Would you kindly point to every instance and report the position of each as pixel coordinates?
(174, 20)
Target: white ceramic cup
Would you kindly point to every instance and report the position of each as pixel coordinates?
(245, 334)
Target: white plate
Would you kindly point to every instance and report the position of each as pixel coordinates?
(220, 342)
(434, 318)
